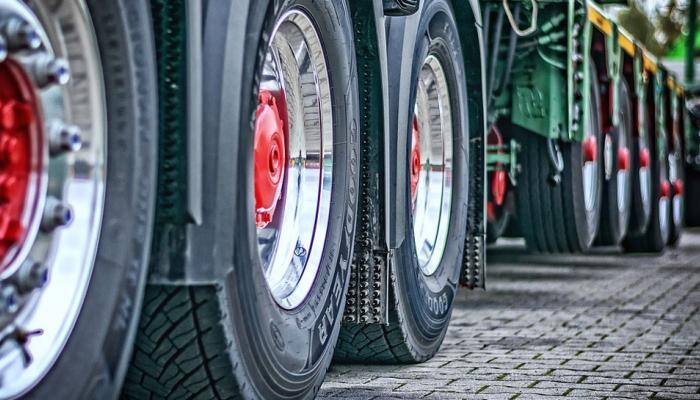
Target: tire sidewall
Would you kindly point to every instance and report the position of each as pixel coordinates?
(266, 336)
(425, 302)
(95, 357)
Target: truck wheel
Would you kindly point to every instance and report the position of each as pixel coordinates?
(428, 262)
(287, 176)
(676, 174)
(640, 214)
(656, 236)
(79, 112)
(617, 194)
(562, 216)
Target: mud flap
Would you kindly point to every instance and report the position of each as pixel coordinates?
(367, 298)
(474, 260)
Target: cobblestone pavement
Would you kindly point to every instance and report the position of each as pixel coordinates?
(597, 326)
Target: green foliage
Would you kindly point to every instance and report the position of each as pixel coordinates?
(658, 30)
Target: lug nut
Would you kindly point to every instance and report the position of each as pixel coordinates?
(64, 138)
(47, 70)
(3, 49)
(56, 214)
(20, 35)
(31, 275)
(8, 299)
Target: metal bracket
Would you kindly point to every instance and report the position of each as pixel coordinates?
(397, 8)
(556, 161)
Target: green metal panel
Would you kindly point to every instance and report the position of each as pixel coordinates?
(537, 99)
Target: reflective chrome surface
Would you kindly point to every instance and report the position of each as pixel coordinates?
(290, 246)
(75, 179)
(433, 194)
(591, 174)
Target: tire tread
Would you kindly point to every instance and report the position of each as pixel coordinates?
(181, 347)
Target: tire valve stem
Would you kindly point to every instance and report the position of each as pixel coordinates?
(21, 338)
(300, 251)
(56, 214)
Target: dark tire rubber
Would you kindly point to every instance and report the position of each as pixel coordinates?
(497, 227)
(231, 339)
(654, 239)
(422, 305)
(614, 221)
(692, 196)
(553, 217)
(93, 362)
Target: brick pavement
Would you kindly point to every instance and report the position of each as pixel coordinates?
(598, 326)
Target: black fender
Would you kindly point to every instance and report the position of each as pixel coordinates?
(400, 33)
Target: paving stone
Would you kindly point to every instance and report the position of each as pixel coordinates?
(603, 325)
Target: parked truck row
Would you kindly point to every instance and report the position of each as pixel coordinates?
(216, 199)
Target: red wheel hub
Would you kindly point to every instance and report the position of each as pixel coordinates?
(415, 158)
(499, 177)
(665, 190)
(590, 149)
(678, 188)
(20, 130)
(644, 159)
(270, 157)
(623, 159)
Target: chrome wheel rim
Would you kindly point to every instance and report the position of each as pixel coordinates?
(664, 187)
(292, 224)
(644, 165)
(431, 165)
(590, 171)
(675, 164)
(623, 176)
(50, 272)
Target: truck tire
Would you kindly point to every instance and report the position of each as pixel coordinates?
(562, 217)
(283, 195)
(424, 283)
(654, 239)
(77, 276)
(641, 177)
(692, 195)
(617, 193)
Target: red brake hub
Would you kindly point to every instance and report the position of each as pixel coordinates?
(678, 188)
(499, 178)
(623, 159)
(590, 149)
(665, 189)
(415, 158)
(644, 159)
(19, 128)
(270, 158)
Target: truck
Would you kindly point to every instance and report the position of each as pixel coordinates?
(217, 199)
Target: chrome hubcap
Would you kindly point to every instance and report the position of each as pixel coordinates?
(432, 192)
(297, 161)
(45, 273)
